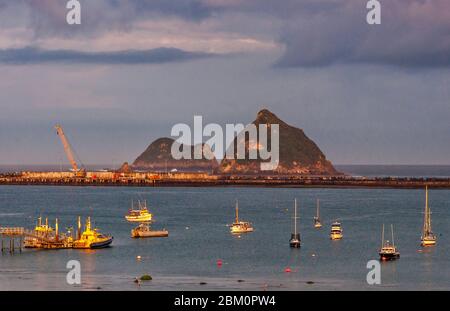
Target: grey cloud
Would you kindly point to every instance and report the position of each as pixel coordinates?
(315, 33)
(413, 34)
(32, 55)
(48, 17)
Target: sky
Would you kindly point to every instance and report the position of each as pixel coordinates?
(366, 94)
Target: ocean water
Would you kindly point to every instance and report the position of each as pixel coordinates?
(197, 220)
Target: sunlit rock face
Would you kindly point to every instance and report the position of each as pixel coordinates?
(158, 157)
(298, 153)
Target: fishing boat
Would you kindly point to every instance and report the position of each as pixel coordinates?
(294, 242)
(91, 238)
(317, 223)
(388, 250)
(428, 238)
(336, 231)
(141, 214)
(41, 230)
(144, 231)
(239, 226)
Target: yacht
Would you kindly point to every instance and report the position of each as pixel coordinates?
(317, 223)
(428, 237)
(294, 242)
(388, 250)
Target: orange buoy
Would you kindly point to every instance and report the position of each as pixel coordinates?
(287, 270)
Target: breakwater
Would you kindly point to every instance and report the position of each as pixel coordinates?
(150, 179)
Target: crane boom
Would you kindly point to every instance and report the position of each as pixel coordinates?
(67, 147)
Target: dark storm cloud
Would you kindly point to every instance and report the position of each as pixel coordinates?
(155, 56)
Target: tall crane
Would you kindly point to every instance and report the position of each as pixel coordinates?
(79, 172)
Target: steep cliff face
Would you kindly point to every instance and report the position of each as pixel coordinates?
(298, 153)
(158, 157)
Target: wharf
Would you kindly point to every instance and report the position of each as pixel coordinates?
(213, 180)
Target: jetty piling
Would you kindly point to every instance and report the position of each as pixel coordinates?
(10, 235)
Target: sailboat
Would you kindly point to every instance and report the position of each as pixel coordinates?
(428, 237)
(294, 242)
(388, 251)
(317, 223)
(240, 226)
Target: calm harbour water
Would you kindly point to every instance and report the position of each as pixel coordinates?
(196, 219)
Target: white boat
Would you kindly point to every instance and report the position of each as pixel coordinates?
(240, 226)
(139, 215)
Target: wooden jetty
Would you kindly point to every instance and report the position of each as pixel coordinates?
(20, 234)
(11, 234)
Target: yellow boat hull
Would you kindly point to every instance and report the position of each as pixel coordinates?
(145, 218)
(428, 242)
(336, 236)
(239, 231)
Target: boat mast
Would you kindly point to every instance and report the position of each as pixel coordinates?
(88, 224)
(237, 211)
(56, 230)
(382, 237)
(79, 228)
(318, 206)
(392, 231)
(295, 216)
(427, 219)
